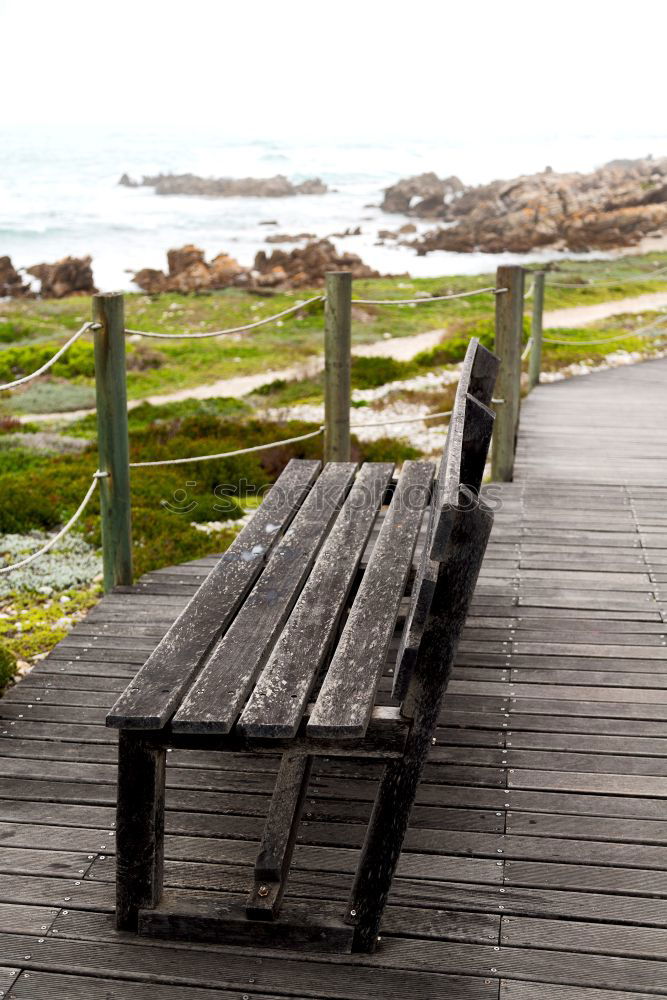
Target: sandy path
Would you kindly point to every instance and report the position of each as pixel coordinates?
(399, 348)
(584, 315)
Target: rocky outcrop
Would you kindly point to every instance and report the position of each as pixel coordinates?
(227, 187)
(306, 266)
(614, 206)
(11, 282)
(425, 196)
(188, 271)
(287, 238)
(69, 276)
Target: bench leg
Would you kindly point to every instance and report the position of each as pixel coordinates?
(139, 827)
(386, 831)
(279, 837)
(398, 786)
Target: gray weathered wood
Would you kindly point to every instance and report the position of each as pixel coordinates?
(509, 327)
(343, 707)
(398, 786)
(139, 828)
(281, 694)
(156, 691)
(463, 462)
(279, 837)
(535, 356)
(112, 438)
(337, 358)
(218, 695)
(202, 920)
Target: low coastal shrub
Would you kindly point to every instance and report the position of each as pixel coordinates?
(77, 361)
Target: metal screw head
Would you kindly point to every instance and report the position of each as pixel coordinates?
(263, 890)
(353, 913)
(434, 741)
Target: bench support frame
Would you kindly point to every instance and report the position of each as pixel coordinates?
(139, 827)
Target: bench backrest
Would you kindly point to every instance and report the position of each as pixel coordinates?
(455, 501)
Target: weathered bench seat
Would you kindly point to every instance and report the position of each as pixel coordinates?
(282, 649)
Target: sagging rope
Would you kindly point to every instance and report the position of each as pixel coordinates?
(227, 454)
(644, 331)
(636, 278)
(431, 298)
(63, 531)
(231, 330)
(200, 458)
(45, 367)
(276, 444)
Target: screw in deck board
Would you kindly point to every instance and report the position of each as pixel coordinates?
(509, 329)
(112, 438)
(535, 358)
(337, 347)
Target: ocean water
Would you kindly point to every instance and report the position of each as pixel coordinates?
(59, 192)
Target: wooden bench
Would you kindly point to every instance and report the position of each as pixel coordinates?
(282, 650)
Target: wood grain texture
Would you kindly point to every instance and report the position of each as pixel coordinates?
(276, 706)
(344, 704)
(156, 691)
(218, 695)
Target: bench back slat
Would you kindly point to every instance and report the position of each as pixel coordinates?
(152, 697)
(213, 703)
(345, 702)
(277, 704)
(458, 484)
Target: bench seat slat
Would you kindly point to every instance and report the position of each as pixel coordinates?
(152, 697)
(345, 702)
(219, 692)
(277, 704)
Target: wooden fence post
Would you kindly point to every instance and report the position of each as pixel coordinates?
(535, 358)
(509, 328)
(112, 438)
(337, 348)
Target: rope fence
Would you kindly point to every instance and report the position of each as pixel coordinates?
(636, 278)
(645, 331)
(231, 330)
(111, 376)
(430, 298)
(63, 531)
(45, 367)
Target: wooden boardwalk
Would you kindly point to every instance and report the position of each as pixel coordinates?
(536, 864)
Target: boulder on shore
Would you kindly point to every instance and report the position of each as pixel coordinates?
(188, 270)
(306, 266)
(227, 187)
(425, 196)
(69, 276)
(11, 282)
(613, 206)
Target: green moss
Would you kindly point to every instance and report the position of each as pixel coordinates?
(7, 665)
(32, 623)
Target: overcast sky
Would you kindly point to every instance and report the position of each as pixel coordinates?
(375, 68)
